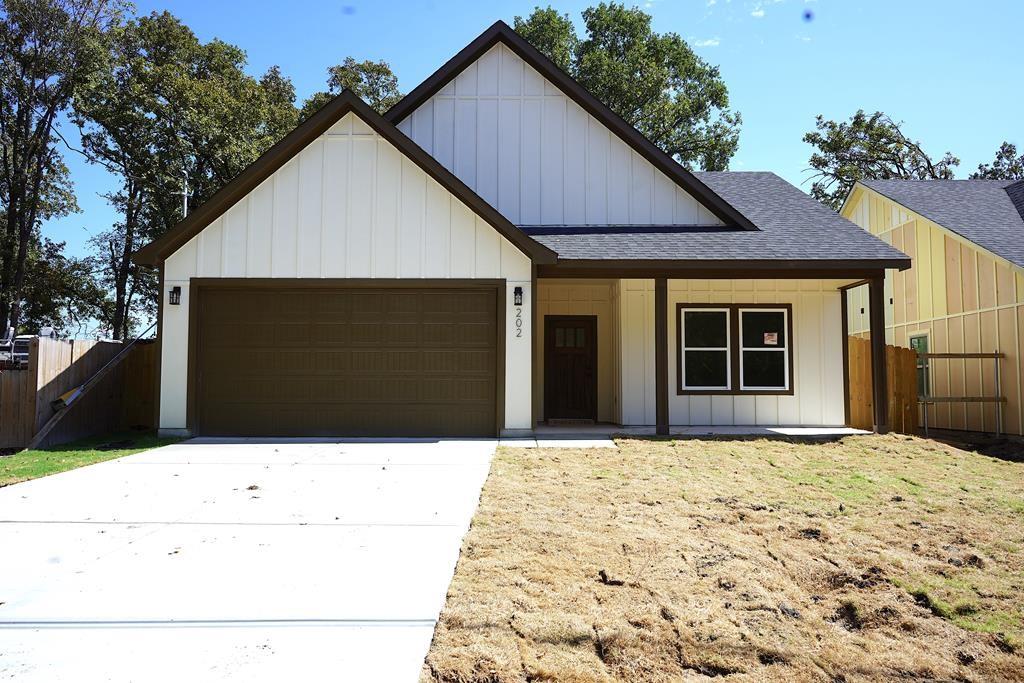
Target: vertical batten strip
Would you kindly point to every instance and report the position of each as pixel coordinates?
(325, 150)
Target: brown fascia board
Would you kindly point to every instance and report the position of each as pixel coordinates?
(288, 147)
(720, 268)
(502, 32)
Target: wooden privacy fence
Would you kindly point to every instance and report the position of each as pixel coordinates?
(124, 398)
(901, 377)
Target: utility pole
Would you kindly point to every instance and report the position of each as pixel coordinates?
(184, 195)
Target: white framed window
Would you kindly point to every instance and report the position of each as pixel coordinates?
(705, 356)
(919, 342)
(764, 349)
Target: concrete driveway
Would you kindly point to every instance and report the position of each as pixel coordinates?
(253, 561)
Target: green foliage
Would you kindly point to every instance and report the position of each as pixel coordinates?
(48, 50)
(866, 147)
(59, 291)
(166, 107)
(654, 81)
(1006, 166)
(551, 33)
(374, 82)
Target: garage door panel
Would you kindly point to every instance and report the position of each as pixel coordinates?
(347, 362)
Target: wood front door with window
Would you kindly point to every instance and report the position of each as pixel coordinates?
(570, 367)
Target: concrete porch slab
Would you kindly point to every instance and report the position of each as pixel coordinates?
(605, 431)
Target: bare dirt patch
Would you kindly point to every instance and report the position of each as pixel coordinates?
(870, 558)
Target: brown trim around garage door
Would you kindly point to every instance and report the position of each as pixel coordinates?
(198, 285)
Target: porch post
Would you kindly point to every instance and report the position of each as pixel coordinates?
(661, 354)
(880, 392)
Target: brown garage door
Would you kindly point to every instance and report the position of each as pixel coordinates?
(348, 362)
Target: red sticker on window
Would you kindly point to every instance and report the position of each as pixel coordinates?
(771, 338)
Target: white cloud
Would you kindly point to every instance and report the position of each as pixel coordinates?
(705, 42)
(759, 6)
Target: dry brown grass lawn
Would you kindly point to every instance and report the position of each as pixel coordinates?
(871, 558)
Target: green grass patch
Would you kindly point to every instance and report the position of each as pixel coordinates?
(28, 465)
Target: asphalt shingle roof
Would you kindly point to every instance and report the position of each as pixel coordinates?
(989, 213)
(791, 226)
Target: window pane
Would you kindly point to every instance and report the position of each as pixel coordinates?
(920, 344)
(707, 329)
(764, 329)
(581, 337)
(559, 337)
(764, 369)
(705, 369)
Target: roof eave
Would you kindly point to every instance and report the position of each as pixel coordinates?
(698, 265)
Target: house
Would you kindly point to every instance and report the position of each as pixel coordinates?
(498, 250)
(964, 293)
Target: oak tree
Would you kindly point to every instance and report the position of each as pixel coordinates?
(654, 81)
(1006, 166)
(868, 146)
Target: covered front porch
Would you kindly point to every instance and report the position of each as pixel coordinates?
(697, 350)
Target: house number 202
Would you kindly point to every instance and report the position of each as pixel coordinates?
(519, 321)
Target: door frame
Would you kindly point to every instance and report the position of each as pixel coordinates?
(197, 285)
(924, 364)
(591, 322)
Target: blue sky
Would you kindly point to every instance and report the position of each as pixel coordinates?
(949, 69)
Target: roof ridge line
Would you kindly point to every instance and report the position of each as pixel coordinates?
(499, 31)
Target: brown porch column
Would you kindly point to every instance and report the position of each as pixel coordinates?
(661, 354)
(880, 391)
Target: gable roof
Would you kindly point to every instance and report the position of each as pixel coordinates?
(288, 147)
(989, 213)
(792, 227)
(503, 33)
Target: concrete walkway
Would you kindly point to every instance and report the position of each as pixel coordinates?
(247, 561)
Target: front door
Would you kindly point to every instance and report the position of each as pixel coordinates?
(570, 367)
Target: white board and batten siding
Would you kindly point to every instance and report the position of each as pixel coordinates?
(537, 156)
(350, 205)
(817, 399)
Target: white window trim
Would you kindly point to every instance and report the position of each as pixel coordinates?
(784, 349)
(727, 348)
(927, 366)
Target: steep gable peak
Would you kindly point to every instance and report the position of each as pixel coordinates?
(502, 33)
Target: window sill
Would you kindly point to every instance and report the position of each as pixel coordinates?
(734, 392)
